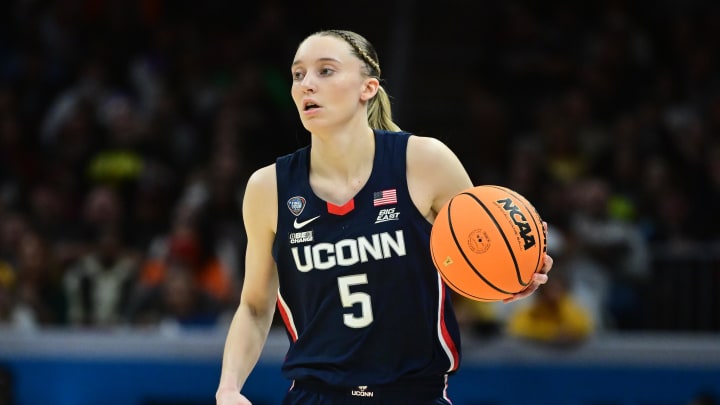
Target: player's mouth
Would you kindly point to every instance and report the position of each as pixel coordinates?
(310, 105)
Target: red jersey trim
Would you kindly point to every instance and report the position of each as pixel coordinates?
(341, 209)
(287, 317)
(445, 338)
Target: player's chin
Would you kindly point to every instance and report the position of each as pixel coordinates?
(311, 125)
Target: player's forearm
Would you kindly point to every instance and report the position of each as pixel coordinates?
(245, 340)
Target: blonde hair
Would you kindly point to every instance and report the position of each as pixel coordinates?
(379, 107)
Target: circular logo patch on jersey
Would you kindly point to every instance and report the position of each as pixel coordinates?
(296, 205)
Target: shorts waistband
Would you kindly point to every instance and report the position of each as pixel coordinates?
(404, 389)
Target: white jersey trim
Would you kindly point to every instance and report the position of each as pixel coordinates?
(290, 320)
(440, 317)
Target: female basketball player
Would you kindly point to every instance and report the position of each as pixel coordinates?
(338, 239)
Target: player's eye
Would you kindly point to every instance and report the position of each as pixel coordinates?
(326, 72)
(297, 75)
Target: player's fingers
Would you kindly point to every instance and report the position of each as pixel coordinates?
(524, 293)
(547, 264)
(539, 278)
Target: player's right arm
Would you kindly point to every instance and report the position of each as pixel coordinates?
(252, 320)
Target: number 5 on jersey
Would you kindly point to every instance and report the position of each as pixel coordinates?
(349, 299)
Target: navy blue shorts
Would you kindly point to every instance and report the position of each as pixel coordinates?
(311, 392)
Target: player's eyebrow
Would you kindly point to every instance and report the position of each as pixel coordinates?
(298, 62)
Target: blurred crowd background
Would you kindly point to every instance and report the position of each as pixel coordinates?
(129, 127)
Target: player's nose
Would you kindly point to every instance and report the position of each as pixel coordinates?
(308, 84)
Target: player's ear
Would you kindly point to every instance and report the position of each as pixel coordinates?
(369, 89)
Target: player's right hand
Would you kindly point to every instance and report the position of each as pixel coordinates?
(230, 397)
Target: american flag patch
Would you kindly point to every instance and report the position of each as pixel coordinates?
(385, 197)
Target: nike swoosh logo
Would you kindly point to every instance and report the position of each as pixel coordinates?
(299, 225)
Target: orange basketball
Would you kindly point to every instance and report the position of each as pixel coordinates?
(487, 242)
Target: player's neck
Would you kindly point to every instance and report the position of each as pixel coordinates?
(343, 155)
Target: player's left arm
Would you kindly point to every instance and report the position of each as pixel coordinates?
(435, 175)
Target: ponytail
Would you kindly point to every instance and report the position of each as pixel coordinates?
(380, 112)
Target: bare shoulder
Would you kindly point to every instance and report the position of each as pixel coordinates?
(434, 172)
(432, 157)
(260, 201)
(420, 147)
(263, 177)
(427, 153)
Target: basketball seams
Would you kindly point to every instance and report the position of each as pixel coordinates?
(447, 281)
(456, 287)
(507, 242)
(459, 249)
(462, 251)
(531, 209)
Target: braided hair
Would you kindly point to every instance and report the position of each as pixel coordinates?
(379, 109)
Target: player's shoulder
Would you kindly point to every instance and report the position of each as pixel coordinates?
(435, 165)
(264, 173)
(263, 181)
(260, 199)
(426, 148)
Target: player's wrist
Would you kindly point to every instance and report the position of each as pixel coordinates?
(225, 388)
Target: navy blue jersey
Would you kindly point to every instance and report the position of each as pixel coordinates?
(359, 295)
